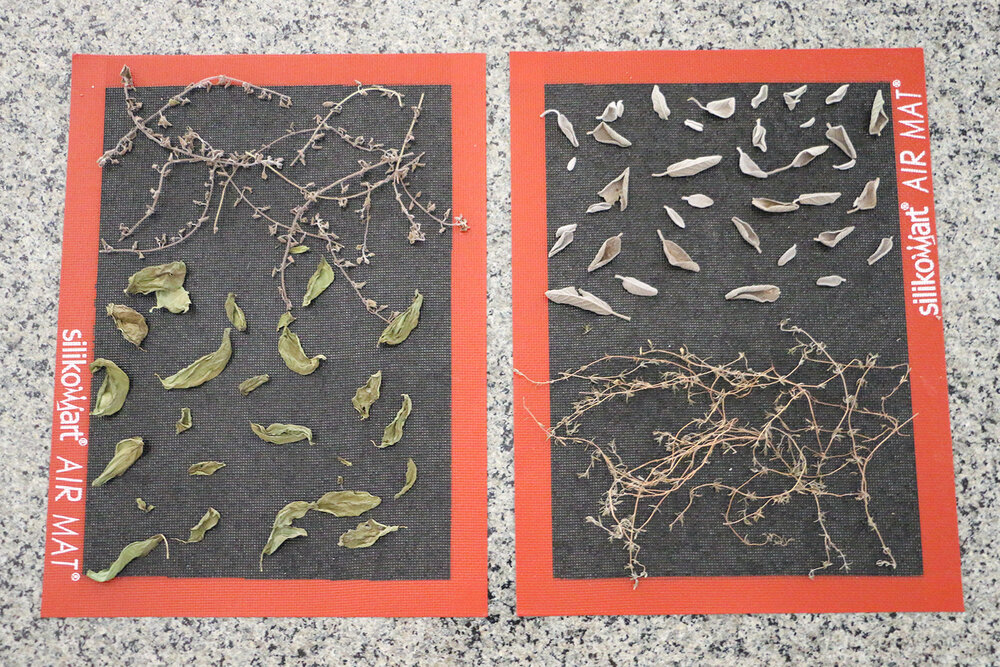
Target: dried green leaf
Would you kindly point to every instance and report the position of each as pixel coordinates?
(347, 503)
(207, 522)
(203, 369)
(184, 423)
(366, 534)
(295, 357)
(175, 300)
(282, 528)
(114, 388)
(404, 323)
(394, 431)
(321, 278)
(411, 478)
(167, 276)
(130, 322)
(282, 434)
(235, 313)
(298, 249)
(250, 384)
(127, 555)
(127, 452)
(285, 319)
(205, 468)
(144, 506)
(367, 394)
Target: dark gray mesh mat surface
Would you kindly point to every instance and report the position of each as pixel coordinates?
(865, 315)
(260, 478)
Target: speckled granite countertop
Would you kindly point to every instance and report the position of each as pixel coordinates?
(963, 66)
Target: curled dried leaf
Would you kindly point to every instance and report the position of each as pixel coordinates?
(838, 135)
(748, 166)
(203, 369)
(411, 478)
(883, 249)
(144, 506)
(564, 125)
(235, 313)
(868, 197)
(612, 112)
(817, 198)
(722, 108)
(298, 249)
(347, 503)
(788, 255)
(759, 136)
(564, 236)
(174, 300)
(637, 287)
(674, 216)
(572, 296)
(809, 123)
(760, 97)
(691, 166)
(282, 529)
(127, 452)
(113, 391)
(608, 251)
(282, 434)
(660, 103)
(837, 95)
(285, 319)
(205, 468)
(748, 234)
(792, 97)
(832, 238)
(365, 535)
(773, 206)
(184, 423)
(598, 207)
(207, 522)
(878, 118)
(127, 555)
(290, 349)
(758, 293)
(845, 165)
(831, 281)
(803, 158)
(129, 322)
(606, 134)
(321, 278)
(694, 125)
(698, 200)
(615, 191)
(367, 394)
(403, 324)
(393, 432)
(676, 256)
(252, 383)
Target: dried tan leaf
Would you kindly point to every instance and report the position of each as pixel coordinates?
(608, 251)
(832, 238)
(838, 135)
(612, 112)
(698, 200)
(691, 167)
(598, 207)
(846, 165)
(773, 206)
(883, 249)
(660, 104)
(868, 197)
(748, 166)
(616, 191)
(760, 97)
(803, 158)
(748, 234)
(674, 216)
(792, 97)
(788, 255)
(637, 287)
(818, 198)
(831, 281)
(571, 296)
(564, 236)
(722, 108)
(809, 123)
(837, 95)
(606, 134)
(878, 118)
(676, 255)
(564, 124)
(759, 137)
(758, 293)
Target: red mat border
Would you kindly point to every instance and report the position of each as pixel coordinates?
(538, 592)
(65, 592)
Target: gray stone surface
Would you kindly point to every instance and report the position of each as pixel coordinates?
(963, 65)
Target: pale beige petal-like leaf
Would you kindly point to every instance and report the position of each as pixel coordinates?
(838, 135)
(598, 207)
(803, 158)
(837, 95)
(809, 123)
(868, 197)
(788, 255)
(571, 296)
(760, 97)
(637, 287)
(831, 238)
(612, 112)
(660, 104)
(722, 108)
(846, 165)
(748, 234)
(694, 125)
(564, 236)
(608, 251)
(691, 166)
(698, 200)
(773, 206)
(883, 249)
(759, 137)
(831, 281)
(792, 97)
(817, 198)
(748, 166)
(676, 256)
(564, 125)
(571, 165)
(878, 119)
(758, 293)
(675, 216)
(606, 134)
(616, 191)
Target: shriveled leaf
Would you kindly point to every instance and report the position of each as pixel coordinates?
(773, 206)
(411, 478)
(698, 200)
(838, 135)
(758, 293)
(282, 529)
(205, 468)
(144, 506)
(878, 118)
(606, 134)
(748, 166)
(174, 300)
(127, 555)
(837, 95)
(612, 112)
(285, 319)
(564, 125)
(321, 278)
(637, 287)
(722, 108)
(127, 452)
(883, 249)
(616, 191)
(114, 389)
(660, 103)
(598, 207)
(831, 281)
(792, 97)
(207, 522)
(282, 434)
(129, 322)
(366, 534)
(759, 136)
(676, 256)
(184, 423)
(347, 503)
(691, 167)
(760, 97)
(203, 369)
(817, 198)
(404, 323)
(809, 123)
(747, 232)
(393, 432)
(571, 296)
(235, 313)
(674, 216)
(608, 251)
(290, 349)
(846, 165)
(868, 197)
(367, 394)
(156, 278)
(564, 236)
(832, 238)
(803, 158)
(788, 255)
(250, 384)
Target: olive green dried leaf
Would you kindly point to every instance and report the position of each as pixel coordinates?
(205, 468)
(285, 319)
(282, 434)
(207, 522)
(114, 388)
(144, 506)
(156, 278)
(366, 534)
(295, 357)
(404, 323)
(347, 503)
(367, 394)
(411, 478)
(184, 423)
(235, 313)
(250, 384)
(129, 321)
(282, 528)
(175, 300)
(127, 451)
(298, 249)
(394, 431)
(321, 278)
(127, 555)
(202, 370)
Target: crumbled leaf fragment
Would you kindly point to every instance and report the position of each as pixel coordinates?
(127, 452)
(127, 555)
(111, 395)
(290, 349)
(207, 522)
(401, 326)
(394, 430)
(235, 313)
(411, 478)
(250, 384)
(367, 394)
(129, 322)
(205, 468)
(321, 278)
(282, 528)
(285, 319)
(347, 503)
(184, 423)
(282, 434)
(203, 369)
(144, 506)
(366, 534)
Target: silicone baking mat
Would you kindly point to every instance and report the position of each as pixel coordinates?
(435, 564)
(567, 565)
